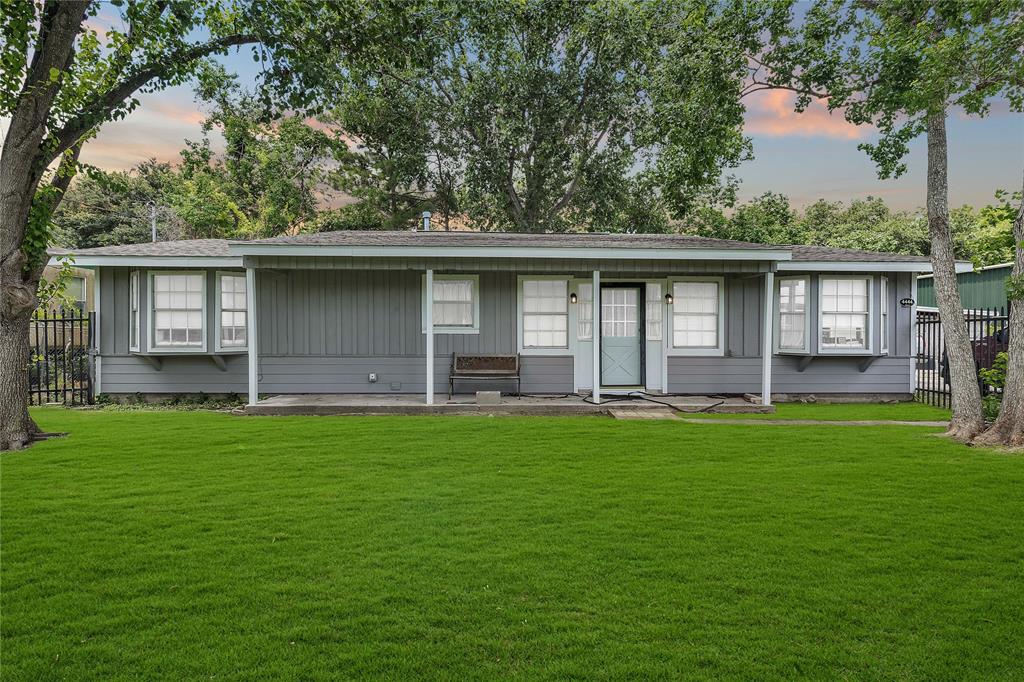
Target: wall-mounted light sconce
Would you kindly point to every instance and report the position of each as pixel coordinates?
(668, 299)
(572, 297)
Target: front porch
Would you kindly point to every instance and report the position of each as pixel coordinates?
(468, 404)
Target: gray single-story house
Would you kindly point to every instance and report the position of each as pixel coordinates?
(382, 312)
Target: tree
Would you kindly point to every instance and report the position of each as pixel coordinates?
(992, 239)
(1008, 429)
(106, 208)
(547, 115)
(59, 81)
(275, 168)
(901, 66)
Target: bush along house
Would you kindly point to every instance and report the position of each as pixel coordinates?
(598, 314)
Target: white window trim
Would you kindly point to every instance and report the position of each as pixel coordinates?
(438, 329)
(568, 349)
(151, 334)
(216, 318)
(670, 334)
(777, 329)
(822, 349)
(135, 316)
(884, 313)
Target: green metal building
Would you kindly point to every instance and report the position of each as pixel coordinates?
(982, 288)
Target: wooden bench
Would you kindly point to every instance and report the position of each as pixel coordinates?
(475, 367)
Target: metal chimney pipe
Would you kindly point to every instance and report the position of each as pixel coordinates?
(426, 221)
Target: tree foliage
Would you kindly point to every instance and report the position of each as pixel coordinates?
(552, 114)
(983, 236)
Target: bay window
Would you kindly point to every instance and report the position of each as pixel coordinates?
(696, 316)
(792, 327)
(232, 312)
(845, 317)
(178, 310)
(545, 319)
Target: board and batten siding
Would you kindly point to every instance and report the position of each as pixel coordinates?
(325, 332)
(739, 371)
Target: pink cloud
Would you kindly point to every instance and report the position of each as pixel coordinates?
(189, 115)
(770, 113)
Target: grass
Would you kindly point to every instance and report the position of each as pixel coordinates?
(915, 412)
(154, 545)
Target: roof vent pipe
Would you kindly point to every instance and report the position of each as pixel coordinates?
(426, 221)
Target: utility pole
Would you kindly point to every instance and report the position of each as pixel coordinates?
(152, 220)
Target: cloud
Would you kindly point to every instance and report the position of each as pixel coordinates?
(157, 129)
(770, 113)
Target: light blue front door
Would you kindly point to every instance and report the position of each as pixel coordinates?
(620, 337)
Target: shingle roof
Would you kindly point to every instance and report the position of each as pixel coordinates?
(828, 253)
(182, 248)
(499, 239)
(219, 248)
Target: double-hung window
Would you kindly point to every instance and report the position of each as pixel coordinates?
(178, 310)
(792, 327)
(654, 311)
(546, 313)
(456, 304)
(232, 314)
(883, 308)
(845, 314)
(585, 312)
(133, 323)
(697, 316)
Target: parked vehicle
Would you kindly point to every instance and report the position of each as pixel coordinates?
(985, 350)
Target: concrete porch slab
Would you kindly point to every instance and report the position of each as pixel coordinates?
(634, 413)
(408, 404)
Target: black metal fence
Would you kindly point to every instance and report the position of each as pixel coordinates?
(61, 369)
(989, 335)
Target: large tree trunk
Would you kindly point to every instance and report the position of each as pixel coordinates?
(23, 162)
(18, 427)
(1008, 429)
(967, 421)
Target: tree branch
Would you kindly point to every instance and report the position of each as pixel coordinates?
(78, 126)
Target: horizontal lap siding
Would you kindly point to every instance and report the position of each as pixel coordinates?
(843, 375)
(823, 375)
(713, 375)
(133, 374)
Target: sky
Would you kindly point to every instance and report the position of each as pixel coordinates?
(806, 156)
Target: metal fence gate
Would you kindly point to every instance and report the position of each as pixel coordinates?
(989, 335)
(61, 367)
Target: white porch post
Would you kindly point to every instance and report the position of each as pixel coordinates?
(97, 386)
(913, 328)
(250, 335)
(596, 317)
(769, 326)
(430, 336)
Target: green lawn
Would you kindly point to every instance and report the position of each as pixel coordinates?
(156, 545)
(915, 412)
